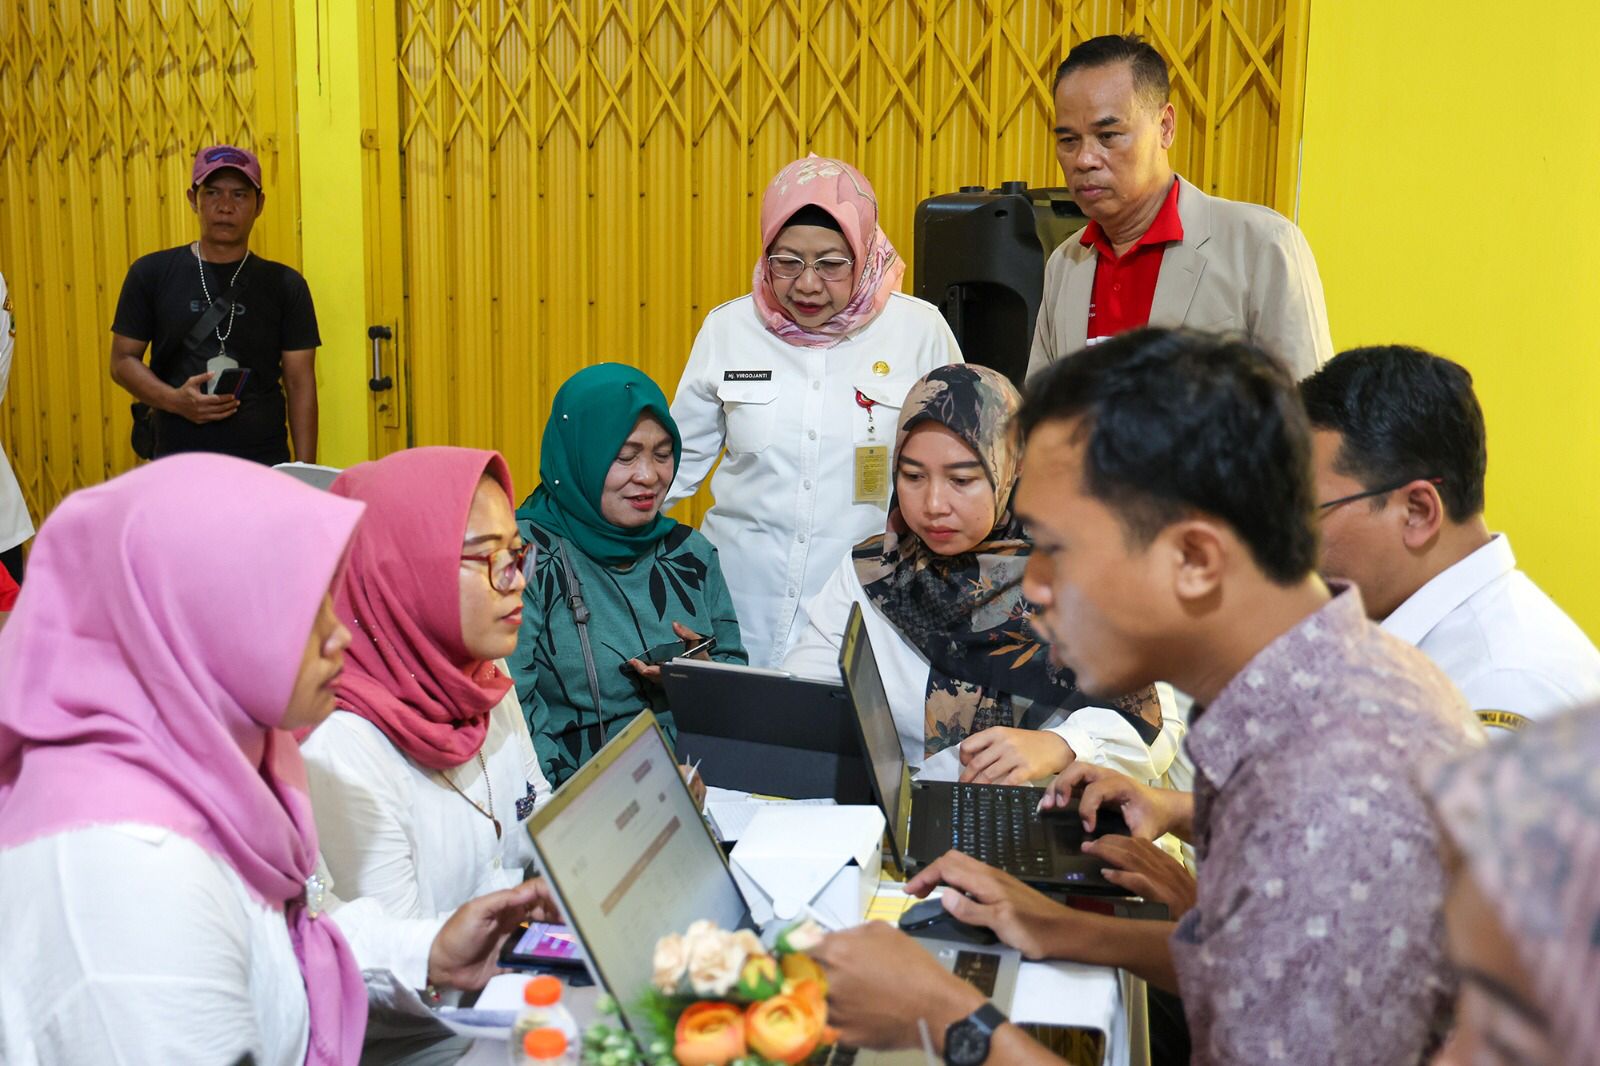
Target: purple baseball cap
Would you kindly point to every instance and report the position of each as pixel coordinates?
(208, 161)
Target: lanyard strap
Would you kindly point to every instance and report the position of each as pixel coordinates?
(580, 615)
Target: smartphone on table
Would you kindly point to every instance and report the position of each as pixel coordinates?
(542, 946)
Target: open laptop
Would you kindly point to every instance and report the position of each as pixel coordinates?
(766, 731)
(630, 860)
(997, 824)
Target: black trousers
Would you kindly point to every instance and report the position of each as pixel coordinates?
(1169, 1032)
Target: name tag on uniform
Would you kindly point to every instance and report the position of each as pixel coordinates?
(747, 375)
(1508, 720)
(872, 473)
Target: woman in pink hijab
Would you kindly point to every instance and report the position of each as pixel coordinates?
(423, 776)
(157, 851)
(800, 384)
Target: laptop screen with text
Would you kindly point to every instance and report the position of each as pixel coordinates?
(632, 860)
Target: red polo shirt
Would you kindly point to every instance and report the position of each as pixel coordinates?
(1125, 286)
(8, 589)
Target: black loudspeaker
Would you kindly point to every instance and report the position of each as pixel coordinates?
(980, 260)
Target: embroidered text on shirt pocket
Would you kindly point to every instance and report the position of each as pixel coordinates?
(747, 407)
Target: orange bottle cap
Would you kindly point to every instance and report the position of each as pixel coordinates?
(542, 991)
(545, 1044)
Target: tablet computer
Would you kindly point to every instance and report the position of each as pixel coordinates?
(766, 731)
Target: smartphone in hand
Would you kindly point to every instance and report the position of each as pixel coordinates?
(672, 649)
(540, 946)
(230, 382)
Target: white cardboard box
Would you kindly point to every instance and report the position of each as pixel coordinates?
(824, 862)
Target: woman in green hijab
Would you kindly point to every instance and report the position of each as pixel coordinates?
(609, 454)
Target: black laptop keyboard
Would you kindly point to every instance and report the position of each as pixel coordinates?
(1000, 826)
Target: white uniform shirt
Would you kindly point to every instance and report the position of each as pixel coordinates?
(1500, 639)
(1097, 735)
(15, 525)
(394, 832)
(785, 510)
(132, 944)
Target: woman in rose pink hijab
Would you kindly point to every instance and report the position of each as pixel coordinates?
(157, 850)
(159, 875)
(423, 777)
(798, 386)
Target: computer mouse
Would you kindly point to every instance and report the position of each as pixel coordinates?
(929, 919)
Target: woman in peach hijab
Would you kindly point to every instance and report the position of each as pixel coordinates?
(798, 386)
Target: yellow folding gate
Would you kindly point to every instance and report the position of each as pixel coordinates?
(103, 104)
(571, 182)
(582, 180)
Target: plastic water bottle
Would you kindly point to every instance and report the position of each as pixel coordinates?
(542, 1009)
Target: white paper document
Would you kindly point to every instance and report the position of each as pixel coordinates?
(730, 817)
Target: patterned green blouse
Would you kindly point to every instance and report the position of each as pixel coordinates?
(630, 609)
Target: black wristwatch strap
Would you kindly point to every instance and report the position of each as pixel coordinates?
(966, 1042)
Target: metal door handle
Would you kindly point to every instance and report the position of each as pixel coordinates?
(379, 382)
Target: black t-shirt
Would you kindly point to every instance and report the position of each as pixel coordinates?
(162, 300)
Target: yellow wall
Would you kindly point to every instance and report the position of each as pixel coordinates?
(102, 107)
(518, 188)
(582, 182)
(1448, 190)
(328, 92)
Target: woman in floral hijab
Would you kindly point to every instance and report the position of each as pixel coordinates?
(942, 587)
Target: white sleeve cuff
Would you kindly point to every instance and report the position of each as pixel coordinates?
(1082, 742)
(1103, 737)
(379, 942)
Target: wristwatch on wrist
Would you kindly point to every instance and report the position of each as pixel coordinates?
(966, 1042)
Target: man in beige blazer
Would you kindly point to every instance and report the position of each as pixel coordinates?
(1158, 251)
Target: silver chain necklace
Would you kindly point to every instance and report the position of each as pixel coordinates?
(222, 338)
(489, 814)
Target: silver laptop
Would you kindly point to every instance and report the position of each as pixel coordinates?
(630, 860)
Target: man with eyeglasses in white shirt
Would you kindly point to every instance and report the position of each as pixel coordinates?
(1399, 456)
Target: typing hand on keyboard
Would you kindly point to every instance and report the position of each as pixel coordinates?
(1149, 812)
(1146, 870)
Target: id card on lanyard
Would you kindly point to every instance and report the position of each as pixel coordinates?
(872, 460)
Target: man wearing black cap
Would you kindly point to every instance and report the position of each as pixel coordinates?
(232, 336)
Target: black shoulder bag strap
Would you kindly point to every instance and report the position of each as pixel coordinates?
(208, 322)
(143, 435)
(580, 615)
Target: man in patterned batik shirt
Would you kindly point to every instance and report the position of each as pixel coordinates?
(1167, 485)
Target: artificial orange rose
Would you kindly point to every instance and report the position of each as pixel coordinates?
(797, 968)
(812, 995)
(709, 1034)
(783, 1028)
